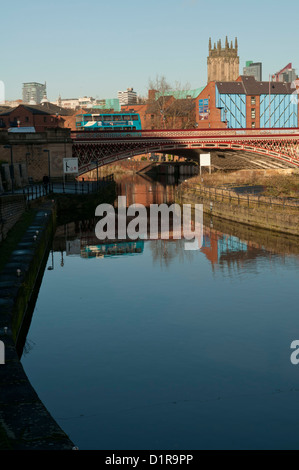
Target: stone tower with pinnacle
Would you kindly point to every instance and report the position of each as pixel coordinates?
(223, 62)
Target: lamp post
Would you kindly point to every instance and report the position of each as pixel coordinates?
(49, 164)
(12, 172)
(27, 155)
(97, 163)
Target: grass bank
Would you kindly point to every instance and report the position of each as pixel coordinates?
(273, 183)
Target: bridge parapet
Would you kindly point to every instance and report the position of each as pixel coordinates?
(179, 133)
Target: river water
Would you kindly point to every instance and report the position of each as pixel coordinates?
(148, 346)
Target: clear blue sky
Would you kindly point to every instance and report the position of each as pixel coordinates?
(98, 47)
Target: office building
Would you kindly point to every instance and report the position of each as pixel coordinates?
(253, 69)
(33, 92)
(127, 97)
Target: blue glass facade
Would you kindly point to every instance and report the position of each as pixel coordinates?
(283, 111)
(233, 109)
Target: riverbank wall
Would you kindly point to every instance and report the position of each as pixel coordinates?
(25, 423)
(11, 209)
(257, 211)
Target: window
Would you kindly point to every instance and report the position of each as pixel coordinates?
(253, 125)
(45, 119)
(253, 100)
(252, 113)
(26, 119)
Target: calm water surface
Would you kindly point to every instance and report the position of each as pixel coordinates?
(153, 347)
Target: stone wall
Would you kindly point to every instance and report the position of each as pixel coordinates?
(11, 209)
(28, 149)
(259, 212)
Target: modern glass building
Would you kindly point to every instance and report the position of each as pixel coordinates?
(248, 103)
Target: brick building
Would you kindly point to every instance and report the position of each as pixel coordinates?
(165, 112)
(247, 103)
(41, 117)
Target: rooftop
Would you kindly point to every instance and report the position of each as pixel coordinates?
(248, 85)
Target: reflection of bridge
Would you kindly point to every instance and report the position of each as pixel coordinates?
(279, 146)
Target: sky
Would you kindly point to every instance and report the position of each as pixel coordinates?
(99, 47)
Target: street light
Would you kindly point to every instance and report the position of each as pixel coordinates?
(97, 163)
(49, 166)
(27, 155)
(12, 172)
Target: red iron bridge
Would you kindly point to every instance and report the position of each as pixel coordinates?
(260, 148)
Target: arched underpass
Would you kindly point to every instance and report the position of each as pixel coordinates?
(236, 159)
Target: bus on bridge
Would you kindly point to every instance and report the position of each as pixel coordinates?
(108, 122)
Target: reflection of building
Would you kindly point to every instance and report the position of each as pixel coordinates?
(225, 250)
(112, 249)
(140, 191)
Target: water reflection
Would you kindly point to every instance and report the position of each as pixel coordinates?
(220, 248)
(225, 243)
(144, 345)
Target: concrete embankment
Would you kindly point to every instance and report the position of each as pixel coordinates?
(11, 209)
(25, 423)
(263, 212)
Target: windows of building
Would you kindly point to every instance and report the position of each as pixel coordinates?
(253, 125)
(252, 113)
(253, 100)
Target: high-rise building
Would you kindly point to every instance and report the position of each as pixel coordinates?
(33, 92)
(287, 75)
(223, 62)
(253, 69)
(127, 97)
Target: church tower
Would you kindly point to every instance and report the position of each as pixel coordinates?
(223, 62)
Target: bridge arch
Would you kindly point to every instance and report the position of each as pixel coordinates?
(282, 146)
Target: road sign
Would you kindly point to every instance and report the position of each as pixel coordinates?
(205, 160)
(70, 165)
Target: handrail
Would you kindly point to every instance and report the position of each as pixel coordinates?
(35, 191)
(215, 193)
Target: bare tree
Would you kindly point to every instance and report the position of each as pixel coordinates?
(169, 107)
(159, 97)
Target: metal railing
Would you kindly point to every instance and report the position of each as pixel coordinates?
(35, 191)
(220, 194)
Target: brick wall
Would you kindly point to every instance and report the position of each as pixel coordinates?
(11, 209)
(214, 118)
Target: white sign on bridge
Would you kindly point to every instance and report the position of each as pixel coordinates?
(70, 165)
